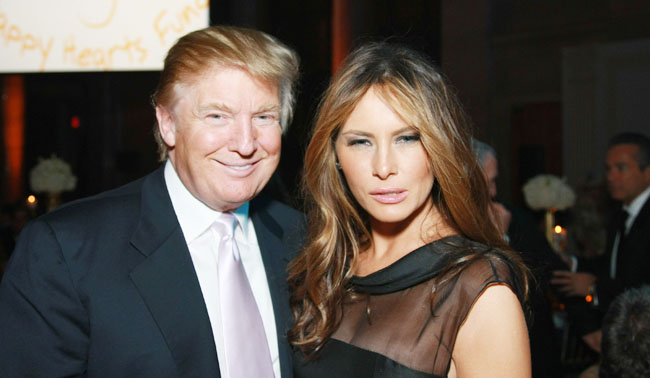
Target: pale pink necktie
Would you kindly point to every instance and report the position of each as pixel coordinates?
(247, 351)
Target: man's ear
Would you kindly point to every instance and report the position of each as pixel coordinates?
(166, 126)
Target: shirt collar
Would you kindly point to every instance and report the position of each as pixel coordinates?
(635, 206)
(193, 215)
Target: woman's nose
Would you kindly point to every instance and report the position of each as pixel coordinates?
(384, 164)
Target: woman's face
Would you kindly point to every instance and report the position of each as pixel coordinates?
(384, 162)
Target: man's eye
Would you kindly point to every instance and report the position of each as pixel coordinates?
(266, 118)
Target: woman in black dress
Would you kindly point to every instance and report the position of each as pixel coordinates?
(403, 273)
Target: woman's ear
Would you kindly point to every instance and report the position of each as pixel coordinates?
(166, 125)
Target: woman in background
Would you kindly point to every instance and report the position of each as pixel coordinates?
(403, 274)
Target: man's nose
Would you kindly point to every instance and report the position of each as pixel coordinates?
(243, 138)
(611, 175)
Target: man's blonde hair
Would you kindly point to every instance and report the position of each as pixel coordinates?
(262, 55)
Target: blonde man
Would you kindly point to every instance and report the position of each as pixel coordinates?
(129, 283)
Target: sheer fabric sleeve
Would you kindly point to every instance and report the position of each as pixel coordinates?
(417, 327)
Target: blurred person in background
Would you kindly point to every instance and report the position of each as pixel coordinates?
(626, 261)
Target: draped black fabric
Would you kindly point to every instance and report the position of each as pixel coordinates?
(402, 322)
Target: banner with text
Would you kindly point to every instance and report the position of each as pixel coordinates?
(93, 35)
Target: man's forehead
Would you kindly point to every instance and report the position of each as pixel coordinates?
(623, 152)
(204, 86)
(221, 69)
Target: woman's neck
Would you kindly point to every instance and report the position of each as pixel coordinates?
(392, 241)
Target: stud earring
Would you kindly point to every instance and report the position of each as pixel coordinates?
(338, 165)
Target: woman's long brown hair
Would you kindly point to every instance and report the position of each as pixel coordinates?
(338, 229)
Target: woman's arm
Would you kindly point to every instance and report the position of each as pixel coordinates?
(493, 341)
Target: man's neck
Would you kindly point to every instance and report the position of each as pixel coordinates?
(634, 207)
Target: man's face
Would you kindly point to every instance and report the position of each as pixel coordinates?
(625, 180)
(225, 135)
(491, 171)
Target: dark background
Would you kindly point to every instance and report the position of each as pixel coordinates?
(503, 56)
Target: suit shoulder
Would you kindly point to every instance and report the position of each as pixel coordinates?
(119, 203)
(122, 193)
(276, 208)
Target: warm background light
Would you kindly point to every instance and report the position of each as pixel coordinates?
(558, 229)
(14, 138)
(75, 122)
(32, 202)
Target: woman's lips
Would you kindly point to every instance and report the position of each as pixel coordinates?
(389, 196)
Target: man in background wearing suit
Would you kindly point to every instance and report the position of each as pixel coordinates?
(626, 262)
(135, 282)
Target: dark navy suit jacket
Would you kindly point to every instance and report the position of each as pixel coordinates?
(632, 269)
(105, 287)
(633, 266)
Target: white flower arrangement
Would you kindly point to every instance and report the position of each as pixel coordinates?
(545, 192)
(52, 175)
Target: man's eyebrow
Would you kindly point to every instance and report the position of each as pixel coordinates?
(215, 106)
(269, 108)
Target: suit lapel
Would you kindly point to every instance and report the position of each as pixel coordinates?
(639, 222)
(270, 236)
(168, 283)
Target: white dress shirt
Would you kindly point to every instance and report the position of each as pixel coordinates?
(195, 218)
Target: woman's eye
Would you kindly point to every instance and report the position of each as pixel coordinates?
(409, 138)
(357, 142)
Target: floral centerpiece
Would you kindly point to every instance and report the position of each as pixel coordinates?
(52, 176)
(549, 193)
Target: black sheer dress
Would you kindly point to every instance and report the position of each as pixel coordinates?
(395, 328)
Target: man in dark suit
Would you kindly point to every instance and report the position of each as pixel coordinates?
(626, 262)
(127, 283)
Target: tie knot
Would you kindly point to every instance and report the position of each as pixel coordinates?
(622, 227)
(224, 224)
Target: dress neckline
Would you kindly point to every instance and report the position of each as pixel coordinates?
(415, 267)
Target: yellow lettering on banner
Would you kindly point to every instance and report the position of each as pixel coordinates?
(3, 21)
(103, 22)
(99, 58)
(188, 12)
(26, 42)
(13, 33)
(177, 22)
(161, 30)
(202, 4)
(69, 48)
(84, 58)
(104, 58)
(114, 49)
(130, 48)
(45, 51)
